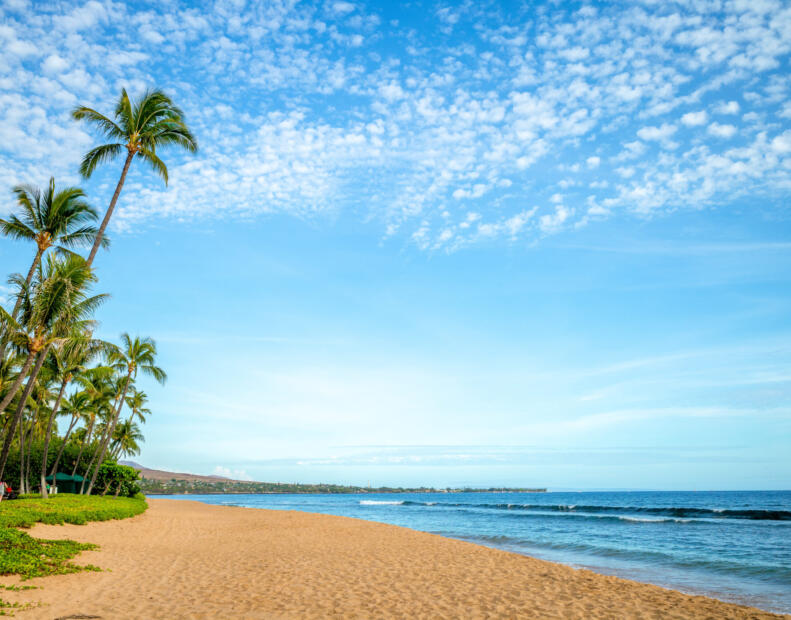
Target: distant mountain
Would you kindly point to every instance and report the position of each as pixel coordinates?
(159, 482)
(159, 474)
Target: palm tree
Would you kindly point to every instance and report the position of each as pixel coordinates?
(126, 437)
(140, 128)
(136, 402)
(108, 386)
(75, 406)
(55, 306)
(60, 219)
(134, 355)
(71, 357)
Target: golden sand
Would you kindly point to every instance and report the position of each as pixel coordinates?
(185, 559)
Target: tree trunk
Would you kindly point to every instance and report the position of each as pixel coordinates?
(85, 441)
(117, 489)
(47, 435)
(21, 407)
(54, 471)
(15, 388)
(29, 454)
(110, 434)
(21, 457)
(29, 278)
(110, 209)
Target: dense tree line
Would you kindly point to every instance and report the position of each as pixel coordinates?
(69, 402)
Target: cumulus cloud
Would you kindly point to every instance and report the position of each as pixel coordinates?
(729, 107)
(722, 131)
(693, 119)
(233, 474)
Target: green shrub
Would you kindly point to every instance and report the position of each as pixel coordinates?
(120, 480)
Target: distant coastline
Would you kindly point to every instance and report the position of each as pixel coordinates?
(232, 487)
(160, 482)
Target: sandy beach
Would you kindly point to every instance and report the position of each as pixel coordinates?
(185, 559)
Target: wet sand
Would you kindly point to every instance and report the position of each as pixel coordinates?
(183, 559)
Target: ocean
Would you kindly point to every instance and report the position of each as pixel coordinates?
(735, 545)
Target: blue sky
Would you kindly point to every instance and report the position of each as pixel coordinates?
(468, 243)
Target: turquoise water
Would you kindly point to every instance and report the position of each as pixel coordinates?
(735, 546)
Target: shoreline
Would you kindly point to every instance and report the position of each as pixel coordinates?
(185, 559)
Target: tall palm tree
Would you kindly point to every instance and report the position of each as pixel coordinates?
(75, 406)
(139, 127)
(59, 219)
(71, 357)
(126, 438)
(136, 401)
(133, 356)
(112, 389)
(55, 306)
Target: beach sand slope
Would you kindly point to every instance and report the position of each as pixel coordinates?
(185, 559)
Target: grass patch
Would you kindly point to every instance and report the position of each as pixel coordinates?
(21, 554)
(68, 508)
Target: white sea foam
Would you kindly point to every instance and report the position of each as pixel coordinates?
(373, 502)
(660, 520)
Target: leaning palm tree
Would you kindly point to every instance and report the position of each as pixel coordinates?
(75, 406)
(139, 127)
(108, 386)
(136, 402)
(68, 359)
(126, 439)
(133, 356)
(55, 306)
(60, 219)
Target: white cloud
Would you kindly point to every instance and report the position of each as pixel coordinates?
(593, 161)
(233, 474)
(728, 107)
(693, 119)
(722, 131)
(657, 133)
(342, 7)
(552, 222)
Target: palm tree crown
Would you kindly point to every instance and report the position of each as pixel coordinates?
(50, 218)
(140, 127)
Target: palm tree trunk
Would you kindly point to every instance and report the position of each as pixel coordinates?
(103, 438)
(85, 441)
(29, 453)
(21, 407)
(106, 442)
(15, 388)
(21, 457)
(29, 278)
(47, 434)
(110, 209)
(54, 471)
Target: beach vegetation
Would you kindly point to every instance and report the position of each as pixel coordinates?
(63, 392)
(23, 555)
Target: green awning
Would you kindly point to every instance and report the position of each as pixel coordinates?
(61, 477)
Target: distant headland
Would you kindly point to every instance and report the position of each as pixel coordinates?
(159, 482)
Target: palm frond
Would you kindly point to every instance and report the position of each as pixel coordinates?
(98, 155)
(105, 125)
(83, 237)
(150, 157)
(15, 228)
